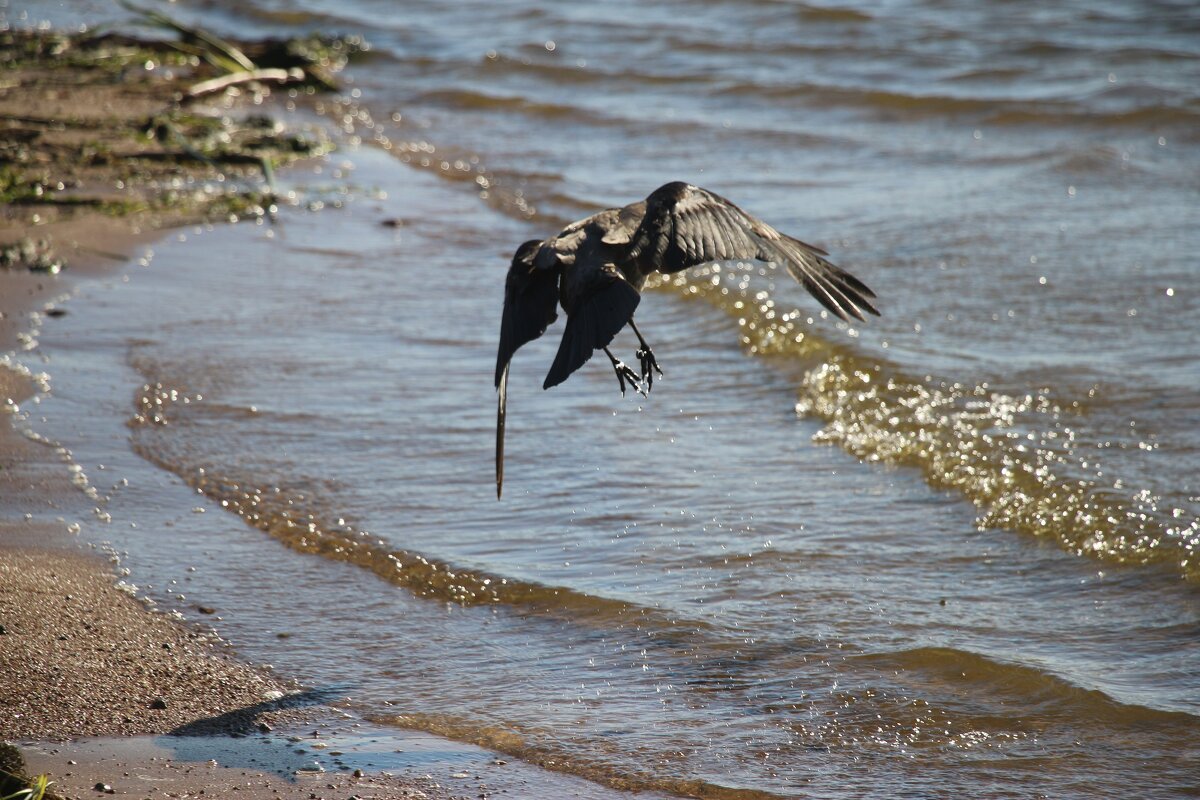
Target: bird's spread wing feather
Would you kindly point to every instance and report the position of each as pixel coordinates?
(599, 314)
(685, 226)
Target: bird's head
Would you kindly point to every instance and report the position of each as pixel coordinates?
(526, 252)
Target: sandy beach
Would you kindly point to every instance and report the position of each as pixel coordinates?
(82, 655)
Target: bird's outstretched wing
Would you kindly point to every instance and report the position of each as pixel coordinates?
(530, 300)
(686, 226)
(603, 308)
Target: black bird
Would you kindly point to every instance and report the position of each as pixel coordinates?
(596, 267)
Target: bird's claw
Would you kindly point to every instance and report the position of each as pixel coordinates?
(649, 366)
(625, 373)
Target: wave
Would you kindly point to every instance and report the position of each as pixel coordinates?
(301, 519)
(469, 100)
(527, 746)
(982, 109)
(1017, 691)
(292, 516)
(556, 72)
(931, 698)
(1014, 456)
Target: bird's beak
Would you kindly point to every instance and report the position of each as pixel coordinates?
(500, 412)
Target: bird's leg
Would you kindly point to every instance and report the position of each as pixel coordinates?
(624, 373)
(646, 357)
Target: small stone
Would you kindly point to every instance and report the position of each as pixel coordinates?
(358, 773)
(105, 788)
(3, 630)
(206, 609)
(264, 727)
(158, 703)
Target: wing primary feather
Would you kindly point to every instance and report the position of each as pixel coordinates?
(801, 260)
(852, 291)
(852, 281)
(823, 297)
(850, 287)
(846, 307)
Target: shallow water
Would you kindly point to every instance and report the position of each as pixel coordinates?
(949, 551)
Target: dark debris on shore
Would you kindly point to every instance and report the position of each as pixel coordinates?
(147, 126)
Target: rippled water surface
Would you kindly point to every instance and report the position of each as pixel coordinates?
(951, 552)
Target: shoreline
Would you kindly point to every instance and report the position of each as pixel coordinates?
(101, 689)
(82, 657)
(83, 188)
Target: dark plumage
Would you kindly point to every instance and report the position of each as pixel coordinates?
(595, 270)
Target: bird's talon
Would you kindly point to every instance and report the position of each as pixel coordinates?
(626, 373)
(649, 366)
(646, 356)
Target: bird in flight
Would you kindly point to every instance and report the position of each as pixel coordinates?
(595, 269)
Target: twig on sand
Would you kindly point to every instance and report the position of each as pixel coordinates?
(293, 75)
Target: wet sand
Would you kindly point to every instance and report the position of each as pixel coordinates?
(82, 656)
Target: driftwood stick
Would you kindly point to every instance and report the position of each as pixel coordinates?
(274, 75)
